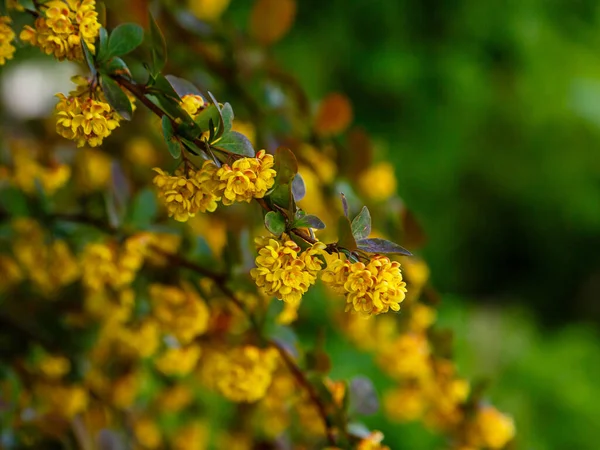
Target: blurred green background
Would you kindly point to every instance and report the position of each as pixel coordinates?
(491, 114)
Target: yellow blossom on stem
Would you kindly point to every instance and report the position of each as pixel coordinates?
(178, 361)
(192, 104)
(405, 404)
(378, 182)
(62, 26)
(490, 429)
(147, 433)
(242, 374)
(371, 288)
(63, 400)
(181, 312)
(184, 194)
(54, 366)
(372, 442)
(246, 178)
(283, 270)
(406, 357)
(7, 37)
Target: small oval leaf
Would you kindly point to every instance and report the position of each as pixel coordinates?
(286, 165)
(181, 86)
(361, 225)
(298, 187)
(275, 222)
(377, 245)
(237, 143)
(124, 39)
(363, 397)
(345, 238)
(310, 221)
(173, 143)
(115, 96)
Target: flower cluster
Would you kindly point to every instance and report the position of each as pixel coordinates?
(48, 265)
(7, 36)
(192, 104)
(181, 312)
(242, 374)
(184, 194)
(85, 116)
(490, 429)
(190, 191)
(107, 265)
(61, 28)
(283, 270)
(372, 288)
(27, 170)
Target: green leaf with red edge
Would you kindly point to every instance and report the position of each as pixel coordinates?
(116, 66)
(275, 222)
(286, 165)
(124, 39)
(377, 245)
(158, 46)
(361, 225)
(115, 96)
(345, 238)
(173, 143)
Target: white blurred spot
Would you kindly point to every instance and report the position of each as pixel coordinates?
(28, 88)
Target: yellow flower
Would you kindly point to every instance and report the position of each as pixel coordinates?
(59, 30)
(147, 433)
(246, 178)
(209, 10)
(181, 312)
(10, 273)
(406, 357)
(372, 442)
(490, 429)
(175, 398)
(421, 317)
(178, 361)
(140, 151)
(85, 116)
(63, 400)
(184, 194)
(405, 404)
(124, 390)
(283, 271)
(242, 374)
(93, 169)
(372, 288)
(193, 436)
(54, 366)
(192, 104)
(7, 36)
(378, 182)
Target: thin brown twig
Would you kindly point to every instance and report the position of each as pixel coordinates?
(310, 389)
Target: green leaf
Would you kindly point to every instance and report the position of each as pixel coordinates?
(181, 86)
(191, 146)
(159, 46)
(102, 44)
(310, 221)
(345, 238)
(298, 187)
(205, 116)
(160, 85)
(221, 120)
(275, 222)
(363, 397)
(173, 143)
(89, 58)
(286, 165)
(143, 210)
(115, 96)
(116, 66)
(14, 202)
(377, 245)
(235, 142)
(227, 114)
(3, 9)
(281, 195)
(361, 225)
(124, 39)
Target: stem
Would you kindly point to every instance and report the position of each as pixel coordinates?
(310, 389)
